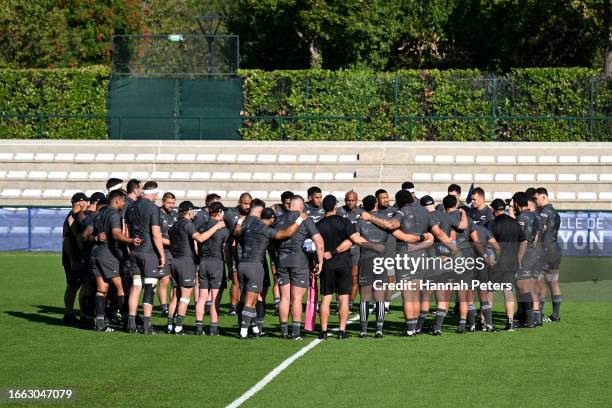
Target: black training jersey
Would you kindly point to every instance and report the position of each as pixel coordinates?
(552, 222)
(141, 217)
(316, 213)
(254, 239)
(482, 217)
(212, 248)
(372, 233)
(167, 220)
(508, 233)
(126, 207)
(413, 220)
(289, 251)
(352, 215)
(106, 221)
(200, 218)
(335, 230)
(484, 235)
(280, 210)
(463, 236)
(529, 224)
(181, 238)
(70, 246)
(86, 223)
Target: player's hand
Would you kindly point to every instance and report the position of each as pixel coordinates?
(327, 256)
(304, 215)
(162, 262)
(428, 237)
(101, 237)
(317, 269)
(220, 224)
(489, 261)
(136, 241)
(366, 216)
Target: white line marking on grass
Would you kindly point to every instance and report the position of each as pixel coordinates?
(282, 366)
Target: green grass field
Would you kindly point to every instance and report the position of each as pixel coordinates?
(563, 365)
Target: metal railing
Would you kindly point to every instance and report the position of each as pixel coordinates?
(44, 126)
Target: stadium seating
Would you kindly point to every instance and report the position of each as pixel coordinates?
(578, 175)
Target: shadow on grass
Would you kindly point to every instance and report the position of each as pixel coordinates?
(50, 315)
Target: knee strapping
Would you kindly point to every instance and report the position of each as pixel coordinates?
(150, 281)
(552, 277)
(184, 300)
(148, 294)
(136, 281)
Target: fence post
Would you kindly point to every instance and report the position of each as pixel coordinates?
(41, 128)
(396, 107)
(200, 127)
(29, 228)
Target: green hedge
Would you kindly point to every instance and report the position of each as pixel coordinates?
(345, 105)
(392, 104)
(66, 91)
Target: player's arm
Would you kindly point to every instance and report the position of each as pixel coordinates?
(356, 238)
(343, 247)
(444, 239)
(429, 240)
(463, 222)
(384, 223)
(118, 235)
(495, 245)
(292, 229)
(159, 246)
(477, 244)
(320, 248)
(206, 235)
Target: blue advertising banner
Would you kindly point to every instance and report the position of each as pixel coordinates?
(582, 233)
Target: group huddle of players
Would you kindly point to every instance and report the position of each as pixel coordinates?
(120, 244)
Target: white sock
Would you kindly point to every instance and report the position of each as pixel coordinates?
(178, 329)
(387, 304)
(255, 329)
(169, 327)
(244, 331)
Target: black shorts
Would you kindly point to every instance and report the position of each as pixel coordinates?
(336, 280)
(167, 266)
(527, 269)
(266, 279)
(293, 275)
(146, 264)
(251, 276)
(85, 270)
(183, 272)
(501, 276)
(367, 275)
(211, 273)
(552, 256)
(407, 272)
(105, 266)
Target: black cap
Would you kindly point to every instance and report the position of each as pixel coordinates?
(79, 197)
(329, 203)
(267, 213)
(498, 204)
(96, 197)
(186, 206)
(216, 207)
(427, 200)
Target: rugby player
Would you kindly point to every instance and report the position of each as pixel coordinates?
(537, 312)
(106, 255)
(440, 225)
(453, 190)
(293, 267)
(414, 224)
(387, 211)
(182, 237)
(212, 266)
(481, 212)
(552, 253)
(512, 241)
(168, 217)
(85, 240)
(492, 252)
(338, 236)
(368, 229)
(113, 184)
(527, 275)
(280, 209)
(313, 206)
(148, 259)
(351, 212)
(231, 217)
(71, 255)
(409, 186)
(254, 234)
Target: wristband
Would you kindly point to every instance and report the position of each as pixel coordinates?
(240, 221)
(299, 221)
(333, 252)
(421, 238)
